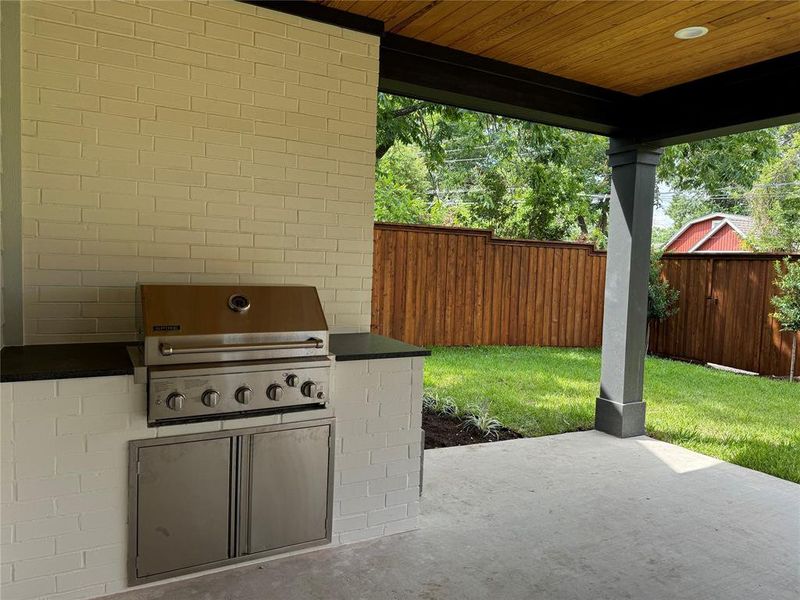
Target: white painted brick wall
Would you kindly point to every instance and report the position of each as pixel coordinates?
(177, 141)
(64, 471)
(377, 474)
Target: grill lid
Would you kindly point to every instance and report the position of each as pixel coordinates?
(184, 310)
(183, 324)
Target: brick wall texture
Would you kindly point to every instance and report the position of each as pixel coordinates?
(63, 518)
(176, 141)
(378, 406)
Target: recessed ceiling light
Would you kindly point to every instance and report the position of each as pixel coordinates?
(690, 33)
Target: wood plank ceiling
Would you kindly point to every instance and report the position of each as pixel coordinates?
(623, 45)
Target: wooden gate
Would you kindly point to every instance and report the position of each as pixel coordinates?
(724, 313)
(736, 302)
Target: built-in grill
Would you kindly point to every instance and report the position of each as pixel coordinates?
(217, 352)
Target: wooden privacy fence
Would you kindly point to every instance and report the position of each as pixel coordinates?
(454, 287)
(724, 313)
(460, 287)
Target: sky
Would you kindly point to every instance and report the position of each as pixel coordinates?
(660, 217)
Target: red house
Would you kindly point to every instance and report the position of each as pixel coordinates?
(717, 232)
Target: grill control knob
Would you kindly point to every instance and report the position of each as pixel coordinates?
(292, 380)
(275, 392)
(243, 395)
(210, 398)
(175, 401)
(309, 389)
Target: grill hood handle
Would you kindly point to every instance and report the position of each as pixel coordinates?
(170, 350)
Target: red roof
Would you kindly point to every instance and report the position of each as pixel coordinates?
(717, 232)
(724, 239)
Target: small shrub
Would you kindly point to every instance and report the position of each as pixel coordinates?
(662, 298)
(479, 419)
(443, 405)
(787, 303)
(449, 407)
(430, 401)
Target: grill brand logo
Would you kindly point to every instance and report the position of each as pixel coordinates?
(238, 303)
(166, 327)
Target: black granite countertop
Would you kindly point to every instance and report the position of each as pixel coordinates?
(66, 361)
(364, 346)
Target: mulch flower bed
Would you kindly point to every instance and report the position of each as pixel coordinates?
(443, 431)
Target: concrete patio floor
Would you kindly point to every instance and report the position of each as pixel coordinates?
(574, 516)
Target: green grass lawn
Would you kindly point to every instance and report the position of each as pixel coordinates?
(749, 421)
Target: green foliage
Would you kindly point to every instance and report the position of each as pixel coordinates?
(542, 215)
(774, 202)
(526, 180)
(443, 405)
(476, 416)
(713, 166)
(662, 298)
(407, 121)
(713, 175)
(400, 195)
(429, 401)
(710, 175)
(787, 302)
(661, 235)
(520, 179)
(479, 419)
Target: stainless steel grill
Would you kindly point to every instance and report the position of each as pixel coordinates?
(216, 352)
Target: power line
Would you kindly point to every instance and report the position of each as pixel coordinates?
(661, 195)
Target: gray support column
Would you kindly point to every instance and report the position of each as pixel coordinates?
(619, 409)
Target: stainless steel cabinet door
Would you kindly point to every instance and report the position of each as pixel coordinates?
(289, 486)
(183, 505)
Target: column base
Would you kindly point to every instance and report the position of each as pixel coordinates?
(616, 418)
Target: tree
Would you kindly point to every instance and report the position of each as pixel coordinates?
(528, 180)
(711, 175)
(662, 298)
(686, 206)
(408, 121)
(774, 202)
(787, 303)
(400, 190)
(714, 165)
(521, 179)
(661, 235)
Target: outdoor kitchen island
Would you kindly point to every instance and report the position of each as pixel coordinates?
(70, 411)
